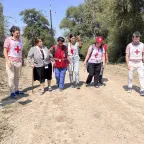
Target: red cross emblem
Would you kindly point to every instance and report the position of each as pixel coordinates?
(96, 54)
(72, 51)
(17, 49)
(137, 52)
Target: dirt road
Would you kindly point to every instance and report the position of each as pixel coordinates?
(108, 115)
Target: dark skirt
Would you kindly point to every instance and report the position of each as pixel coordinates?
(42, 73)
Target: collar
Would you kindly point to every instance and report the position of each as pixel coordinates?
(14, 39)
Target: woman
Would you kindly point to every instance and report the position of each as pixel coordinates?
(61, 58)
(73, 53)
(40, 60)
(13, 46)
(95, 57)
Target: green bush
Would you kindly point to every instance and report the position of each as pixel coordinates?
(85, 46)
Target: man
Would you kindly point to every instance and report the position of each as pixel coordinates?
(60, 54)
(134, 56)
(13, 46)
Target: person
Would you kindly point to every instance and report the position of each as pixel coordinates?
(134, 56)
(40, 60)
(95, 57)
(61, 60)
(12, 51)
(73, 53)
(105, 46)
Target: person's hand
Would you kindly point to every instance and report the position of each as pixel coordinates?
(79, 38)
(85, 62)
(107, 62)
(70, 63)
(129, 67)
(32, 66)
(9, 64)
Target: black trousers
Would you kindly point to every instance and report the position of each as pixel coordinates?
(94, 70)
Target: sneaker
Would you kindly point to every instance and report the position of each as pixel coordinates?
(49, 88)
(13, 96)
(42, 92)
(19, 92)
(60, 89)
(87, 85)
(77, 86)
(72, 85)
(142, 93)
(101, 82)
(97, 86)
(129, 90)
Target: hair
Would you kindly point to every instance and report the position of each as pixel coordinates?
(60, 39)
(36, 40)
(70, 36)
(13, 29)
(136, 33)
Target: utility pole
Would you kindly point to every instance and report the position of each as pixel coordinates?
(51, 20)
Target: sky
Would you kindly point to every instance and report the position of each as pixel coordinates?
(12, 8)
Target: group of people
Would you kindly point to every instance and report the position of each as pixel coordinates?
(62, 57)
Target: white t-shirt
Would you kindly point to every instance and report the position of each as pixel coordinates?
(97, 54)
(135, 51)
(73, 50)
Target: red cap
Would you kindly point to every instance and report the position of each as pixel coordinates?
(99, 39)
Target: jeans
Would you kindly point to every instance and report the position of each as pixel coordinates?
(74, 69)
(60, 76)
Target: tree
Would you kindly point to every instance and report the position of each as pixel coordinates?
(74, 21)
(36, 25)
(114, 20)
(1, 28)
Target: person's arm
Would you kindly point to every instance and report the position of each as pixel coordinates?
(143, 54)
(103, 57)
(79, 42)
(127, 57)
(88, 55)
(5, 51)
(30, 57)
(68, 58)
(107, 60)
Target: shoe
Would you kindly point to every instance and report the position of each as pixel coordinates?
(142, 93)
(77, 86)
(60, 89)
(42, 92)
(87, 85)
(19, 92)
(129, 90)
(49, 88)
(101, 82)
(13, 96)
(96, 86)
(72, 85)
